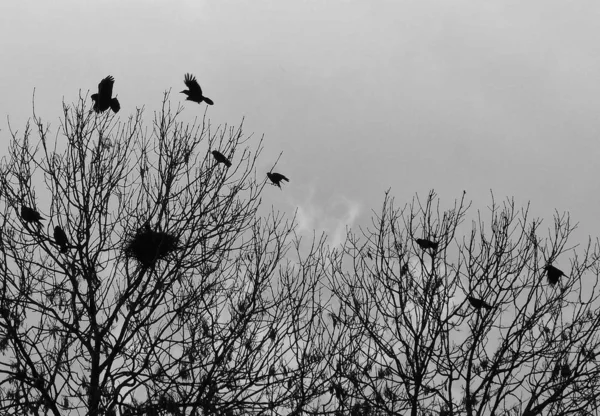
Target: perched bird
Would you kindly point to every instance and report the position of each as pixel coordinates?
(220, 158)
(553, 273)
(276, 178)
(30, 214)
(425, 244)
(565, 371)
(194, 93)
(479, 303)
(104, 99)
(61, 239)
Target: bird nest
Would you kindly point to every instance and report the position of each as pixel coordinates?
(148, 246)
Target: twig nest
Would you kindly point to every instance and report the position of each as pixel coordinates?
(148, 246)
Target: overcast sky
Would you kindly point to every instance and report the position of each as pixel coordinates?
(360, 96)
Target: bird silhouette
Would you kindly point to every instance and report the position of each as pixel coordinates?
(104, 100)
(479, 303)
(565, 371)
(425, 244)
(61, 239)
(553, 273)
(194, 93)
(276, 178)
(220, 158)
(30, 214)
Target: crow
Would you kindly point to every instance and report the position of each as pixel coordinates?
(61, 239)
(276, 178)
(425, 244)
(553, 274)
(220, 158)
(565, 371)
(30, 214)
(104, 99)
(479, 303)
(194, 93)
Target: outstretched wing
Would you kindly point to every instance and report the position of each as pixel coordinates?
(192, 84)
(284, 178)
(105, 87)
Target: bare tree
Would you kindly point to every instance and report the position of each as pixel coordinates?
(470, 324)
(165, 291)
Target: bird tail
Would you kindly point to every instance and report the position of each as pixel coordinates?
(208, 101)
(114, 105)
(227, 163)
(64, 249)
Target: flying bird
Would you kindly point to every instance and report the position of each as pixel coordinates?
(479, 303)
(276, 178)
(104, 100)
(220, 158)
(194, 93)
(61, 239)
(425, 244)
(553, 273)
(30, 214)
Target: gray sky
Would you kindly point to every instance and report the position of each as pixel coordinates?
(359, 95)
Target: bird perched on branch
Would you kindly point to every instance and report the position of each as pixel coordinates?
(30, 214)
(104, 100)
(276, 178)
(425, 244)
(553, 273)
(61, 239)
(194, 93)
(220, 158)
(479, 303)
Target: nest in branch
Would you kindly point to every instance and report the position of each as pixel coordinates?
(148, 246)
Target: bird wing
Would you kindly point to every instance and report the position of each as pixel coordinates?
(192, 84)
(106, 86)
(279, 177)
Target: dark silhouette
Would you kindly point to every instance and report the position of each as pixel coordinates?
(565, 371)
(479, 303)
(553, 273)
(194, 93)
(30, 214)
(276, 178)
(425, 244)
(104, 99)
(220, 157)
(61, 239)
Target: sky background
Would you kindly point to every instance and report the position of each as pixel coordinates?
(360, 96)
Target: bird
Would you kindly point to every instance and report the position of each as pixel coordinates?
(276, 178)
(553, 273)
(220, 158)
(194, 93)
(425, 244)
(565, 371)
(479, 303)
(61, 239)
(30, 214)
(104, 100)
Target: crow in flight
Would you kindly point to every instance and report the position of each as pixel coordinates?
(30, 214)
(220, 158)
(194, 93)
(553, 274)
(425, 244)
(104, 99)
(61, 239)
(276, 178)
(479, 303)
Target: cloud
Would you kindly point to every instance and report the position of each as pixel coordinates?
(332, 216)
